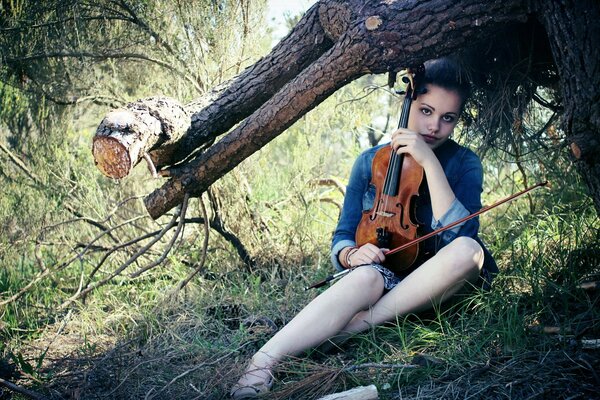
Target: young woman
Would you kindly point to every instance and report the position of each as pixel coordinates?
(371, 294)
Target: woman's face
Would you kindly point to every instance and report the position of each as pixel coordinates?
(434, 114)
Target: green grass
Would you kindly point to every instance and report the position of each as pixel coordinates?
(134, 338)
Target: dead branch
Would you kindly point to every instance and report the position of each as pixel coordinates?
(218, 224)
(169, 246)
(589, 286)
(358, 393)
(200, 263)
(45, 271)
(331, 182)
(20, 164)
(21, 390)
(352, 368)
(98, 224)
(590, 343)
(123, 266)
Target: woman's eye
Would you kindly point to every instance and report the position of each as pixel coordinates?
(448, 118)
(426, 111)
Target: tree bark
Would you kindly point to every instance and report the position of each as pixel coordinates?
(117, 146)
(338, 41)
(125, 135)
(377, 41)
(573, 27)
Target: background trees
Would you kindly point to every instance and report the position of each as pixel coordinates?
(65, 227)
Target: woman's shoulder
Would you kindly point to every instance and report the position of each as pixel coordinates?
(461, 154)
(366, 156)
(372, 150)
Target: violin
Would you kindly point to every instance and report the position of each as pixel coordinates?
(391, 222)
(431, 234)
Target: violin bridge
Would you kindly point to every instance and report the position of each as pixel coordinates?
(385, 214)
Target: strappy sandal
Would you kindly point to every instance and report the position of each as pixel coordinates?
(239, 392)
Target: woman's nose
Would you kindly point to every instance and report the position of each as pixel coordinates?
(434, 125)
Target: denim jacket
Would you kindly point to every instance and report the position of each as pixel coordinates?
(464, 172)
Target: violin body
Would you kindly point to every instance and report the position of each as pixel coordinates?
(391, 222)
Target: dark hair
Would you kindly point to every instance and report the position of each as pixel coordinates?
(449, 74)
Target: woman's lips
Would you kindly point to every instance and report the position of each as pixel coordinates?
(429, 139)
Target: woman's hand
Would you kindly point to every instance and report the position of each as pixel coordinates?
(405, 141)
(366, 254)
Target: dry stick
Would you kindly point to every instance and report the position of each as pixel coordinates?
(20, 164)
(183, 283)
(95, 239)
(181, 215)
(129, 243)
(41, 275)
(331, 182)
(151, 166)
(37, 180)
(122, 267)
(21, 390)
(118, 247)
(105, 231)
(380, 366)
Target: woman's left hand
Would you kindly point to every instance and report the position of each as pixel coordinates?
(405, 141)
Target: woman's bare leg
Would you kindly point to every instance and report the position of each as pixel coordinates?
(322, 318)
(435, 281)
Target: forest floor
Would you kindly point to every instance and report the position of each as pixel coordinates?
(186, 351)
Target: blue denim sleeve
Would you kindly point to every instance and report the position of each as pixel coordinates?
(351, 213)
(467, 188)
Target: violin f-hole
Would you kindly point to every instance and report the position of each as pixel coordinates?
(403, 224)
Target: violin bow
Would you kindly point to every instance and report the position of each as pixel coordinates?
(430, 234)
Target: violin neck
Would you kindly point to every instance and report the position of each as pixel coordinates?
(392, 178)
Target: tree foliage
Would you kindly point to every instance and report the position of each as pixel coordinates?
(67, 52)
(64, 63)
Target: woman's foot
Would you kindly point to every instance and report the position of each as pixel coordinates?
(257, 380)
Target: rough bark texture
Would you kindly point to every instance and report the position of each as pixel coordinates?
(574, 30)
(126, 134)
(224, 106)
(338, 41)
(377, 41)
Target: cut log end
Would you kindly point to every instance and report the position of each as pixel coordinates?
(111, 157)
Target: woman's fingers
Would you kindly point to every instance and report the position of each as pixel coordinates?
(368, 254)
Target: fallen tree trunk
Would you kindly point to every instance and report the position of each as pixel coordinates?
(169, 132)
(377, 42)
(338, 41)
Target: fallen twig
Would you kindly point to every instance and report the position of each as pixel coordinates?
(21, 390)
(181, 216)
(204, 249)
(358, 393)
(589, 285)
(123, 266)
(379, 366)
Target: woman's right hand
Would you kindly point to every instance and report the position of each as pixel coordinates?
(367, 254)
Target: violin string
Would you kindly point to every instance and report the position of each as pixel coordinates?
(389, 181)
(395, 163)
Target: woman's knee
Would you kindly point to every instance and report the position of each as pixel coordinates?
(367, 279)
(467, 254)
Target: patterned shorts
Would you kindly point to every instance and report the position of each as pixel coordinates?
(390, 280)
